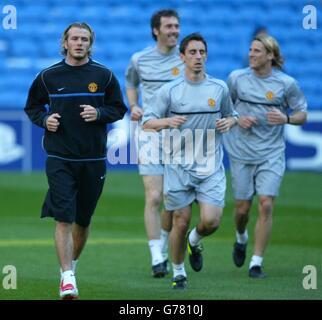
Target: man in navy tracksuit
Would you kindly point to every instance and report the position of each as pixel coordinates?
(83, 96)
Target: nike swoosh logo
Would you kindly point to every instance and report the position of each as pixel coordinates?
(60, 89)
(102, 177)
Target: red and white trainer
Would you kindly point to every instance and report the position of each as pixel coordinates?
(68, 289)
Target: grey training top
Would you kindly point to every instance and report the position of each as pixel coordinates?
(202, 103)
(255, 96)
(152, 69)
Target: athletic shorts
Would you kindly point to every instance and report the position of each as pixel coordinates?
(149, 152)
(263, 179)
(181, 188)
(151, 169)
(74, 189)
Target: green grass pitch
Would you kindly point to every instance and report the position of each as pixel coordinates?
(115, 265)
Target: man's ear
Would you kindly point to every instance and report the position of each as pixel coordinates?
(182, 57)
(270, 56)
(155, 32)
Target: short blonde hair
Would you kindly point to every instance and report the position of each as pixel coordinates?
(81, 25)
(271, 45)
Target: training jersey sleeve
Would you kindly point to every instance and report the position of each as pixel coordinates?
(159, 105)
(114, 107)
(295, 98)
(132, 79)
(231, 83)
(36, 103)
(227, 108)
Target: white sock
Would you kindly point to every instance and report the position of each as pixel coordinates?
(194, 237)
(242, 238)
(74, 265)
(155, 249)
(255, 261)
(164, 244)
(67, 274)
(178, 269)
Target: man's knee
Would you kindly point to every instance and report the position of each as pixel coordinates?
(266, 205)
(180, 222)
(243, 207)
(211, 225)
(154, 198)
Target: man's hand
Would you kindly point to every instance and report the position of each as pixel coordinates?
(276, 117)
(136, 113)
(246, 122)
(52, 122)
(224, 124)
(176, 121)
(89, 113)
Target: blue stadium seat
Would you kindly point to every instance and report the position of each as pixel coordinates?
(33, 12)
(122, 28)
(63, 13)
(13, 99)
(250, 14)
(50, 48)
(24, 48)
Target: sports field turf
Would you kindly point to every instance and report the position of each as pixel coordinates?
(116, 261)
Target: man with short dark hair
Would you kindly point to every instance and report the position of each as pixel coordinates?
(150, 69)
(199, 107)
(82, 97)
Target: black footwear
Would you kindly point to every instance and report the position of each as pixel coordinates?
(256, 272)
(166, 266)
(195, 257)
(239, 254)
(179, 282)
(159, 270)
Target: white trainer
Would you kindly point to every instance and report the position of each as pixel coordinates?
(68, 289)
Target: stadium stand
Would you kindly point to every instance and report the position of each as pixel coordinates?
(122, 27)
